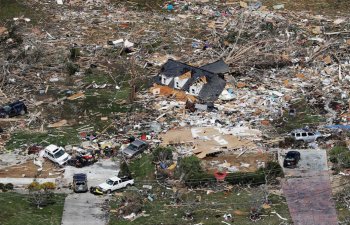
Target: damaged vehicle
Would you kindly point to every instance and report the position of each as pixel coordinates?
(291, 160)
(80, 183)
(115, 183)
(134, 148)
(80, 160)
(56, 154)
(13, 109)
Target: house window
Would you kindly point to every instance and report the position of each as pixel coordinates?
(193, 91)
(164, 80)
(177, 84)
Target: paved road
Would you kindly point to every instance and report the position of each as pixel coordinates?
(308, 189)
(84, 209)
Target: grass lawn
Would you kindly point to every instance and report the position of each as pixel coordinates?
(305, 116)
(209, 210)
(58, 137)
(16, 210)
(15, 8)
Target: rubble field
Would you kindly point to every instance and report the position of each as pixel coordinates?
(210, 109)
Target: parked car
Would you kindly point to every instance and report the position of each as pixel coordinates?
(291, 160)
(80, 182)
(305, 136)
(56, 154)
(115, 183)
(13, 109)
(136, 147)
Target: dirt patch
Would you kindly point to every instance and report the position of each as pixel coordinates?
(29, 170)
(253, 159)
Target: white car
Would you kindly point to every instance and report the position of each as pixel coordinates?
(56, 154)
(305, 136)
(115, 183)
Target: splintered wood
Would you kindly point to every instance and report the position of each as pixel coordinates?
(206, 140)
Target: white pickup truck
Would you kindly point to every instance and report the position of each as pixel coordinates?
(115, 183)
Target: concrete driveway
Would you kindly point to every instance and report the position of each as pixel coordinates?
(86, 208)
(311, 160)
(96, 173)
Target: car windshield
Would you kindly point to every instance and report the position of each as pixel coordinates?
(80, 183)
(289, 159)
(109, 182)
(132, 147)
(59, 154)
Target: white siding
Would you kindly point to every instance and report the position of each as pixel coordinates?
(195, 89)
(166, 80)
(179, 83)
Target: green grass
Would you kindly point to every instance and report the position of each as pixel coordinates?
(15, 209)
(16, 8)
(58, 137)
(305, 116)
(209, 210)
(329, 7)
(105, 101)
(142, 168)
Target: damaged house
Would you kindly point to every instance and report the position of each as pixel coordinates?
(204, 84)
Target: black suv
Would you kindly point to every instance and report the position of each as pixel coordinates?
(291, 160)
(13, 109)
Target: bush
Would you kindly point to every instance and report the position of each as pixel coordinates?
(72, 68)
(8, 186)
(200, 179)
(245, 178)
(336, 152)
(48, 186)
(124, 170)
(274, 169)
(34, 186)
(162, 154)
(74, 53)
(340, 155)
(190, 170)
(2, 186)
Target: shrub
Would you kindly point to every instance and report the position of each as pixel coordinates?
(8, 186)
(2, 186)
(34, 186)
(245, 178)
(72, 68)
(274, 169)
(74, 53)
(48, 186)
(124, 170)
(336, 152)
(190, 170)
